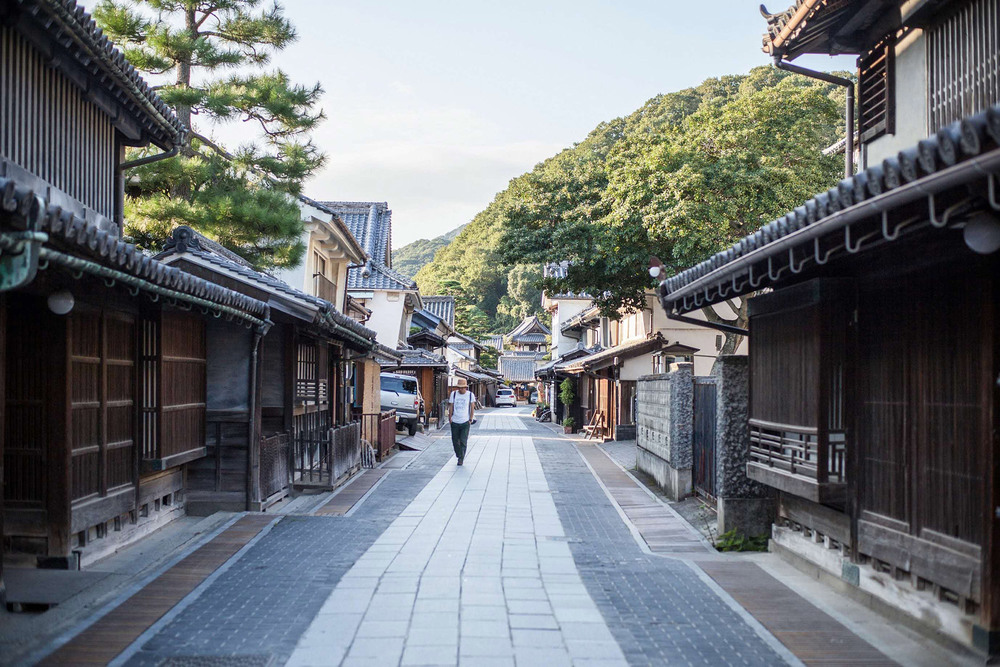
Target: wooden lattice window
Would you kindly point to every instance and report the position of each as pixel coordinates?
(102, 396)
(876, 94)
(963, 63)
(173, 388)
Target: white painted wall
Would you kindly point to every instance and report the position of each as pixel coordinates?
(386, 317)
(911, 100)
(564, 310)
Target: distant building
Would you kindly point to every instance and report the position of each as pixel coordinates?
(391, 297)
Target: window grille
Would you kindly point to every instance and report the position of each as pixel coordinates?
(963, 63)
(876, 104)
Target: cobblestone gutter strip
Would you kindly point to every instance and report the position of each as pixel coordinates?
(658, 609)
(258, 608)
(811, 635)
(104, 640)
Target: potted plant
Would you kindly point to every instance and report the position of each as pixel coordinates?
(568, 424)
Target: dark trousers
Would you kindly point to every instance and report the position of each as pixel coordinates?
(460, 438)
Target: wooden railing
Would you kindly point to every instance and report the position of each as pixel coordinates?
(798, 459)
(325, 288)
(322, 456)
(274, 457)
(379, 429)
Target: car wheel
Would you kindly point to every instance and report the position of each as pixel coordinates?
(413, 428)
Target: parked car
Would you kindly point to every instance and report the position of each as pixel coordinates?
(505, 397)
(533, 397)
(400, 393)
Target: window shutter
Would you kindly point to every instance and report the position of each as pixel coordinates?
(876, 103)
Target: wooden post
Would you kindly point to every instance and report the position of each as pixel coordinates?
(986, 633)
(60, 452)
(3, 428)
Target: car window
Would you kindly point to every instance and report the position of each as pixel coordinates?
(399, 385)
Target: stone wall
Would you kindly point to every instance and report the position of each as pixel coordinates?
(664, 422)
(743, 504)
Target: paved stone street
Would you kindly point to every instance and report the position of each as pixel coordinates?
(519, 557)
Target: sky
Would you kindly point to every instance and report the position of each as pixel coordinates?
(434, 105)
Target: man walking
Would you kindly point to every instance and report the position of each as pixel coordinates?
(461, 410)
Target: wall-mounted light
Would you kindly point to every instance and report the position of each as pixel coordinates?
(982, 233)
(61, 302)
(655, 267)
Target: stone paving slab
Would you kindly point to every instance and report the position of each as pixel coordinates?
(102, 641)
(446, 583)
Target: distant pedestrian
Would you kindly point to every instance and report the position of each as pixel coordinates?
(461, 413)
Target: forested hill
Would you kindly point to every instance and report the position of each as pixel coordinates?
(413, 256)
(684, 176)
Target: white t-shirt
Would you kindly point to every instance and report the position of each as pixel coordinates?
(462, 406)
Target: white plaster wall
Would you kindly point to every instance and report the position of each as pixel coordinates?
(699, 337)
(636, 367)
(911, 100)
(386, 318)
(296, 277)
(566, 308)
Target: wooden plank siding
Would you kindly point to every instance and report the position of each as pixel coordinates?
(52, 132)
(924, 423)
(912, 356)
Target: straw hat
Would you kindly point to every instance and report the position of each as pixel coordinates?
(461, 382)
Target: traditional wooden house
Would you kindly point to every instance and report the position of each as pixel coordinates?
(531, 335)
(103, 351)
(304, 370)
(391, 297)
(874, 358)
(605, 356)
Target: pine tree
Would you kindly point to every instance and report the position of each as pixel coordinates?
(212, 55)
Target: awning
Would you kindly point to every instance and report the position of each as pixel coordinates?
(628, 350)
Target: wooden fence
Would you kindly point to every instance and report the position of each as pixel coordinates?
(319, 457)
(379, 429)
(274, 456)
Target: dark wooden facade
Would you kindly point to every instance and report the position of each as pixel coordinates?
(104, 352)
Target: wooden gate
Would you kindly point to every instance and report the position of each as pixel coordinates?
(704, 436)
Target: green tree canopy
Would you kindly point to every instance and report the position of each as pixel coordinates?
(212, 55)
(684, 176)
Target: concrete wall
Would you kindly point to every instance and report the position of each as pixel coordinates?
(743, 504)
(664, 423)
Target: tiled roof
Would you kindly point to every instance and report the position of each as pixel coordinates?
(561, 270)
(627, 350)
(815, 26)
(851, 217)
(419, 357)
(472, 375)
(517, 369)
(529, 325)
(185, 240)
(71, 234)
(580, 318)
(496, 342)
(377, 276)
(467, 341)
(72, 29)
(530, 338)
(338, 223)
(370, 223)
(442, 306)
(386, 355)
